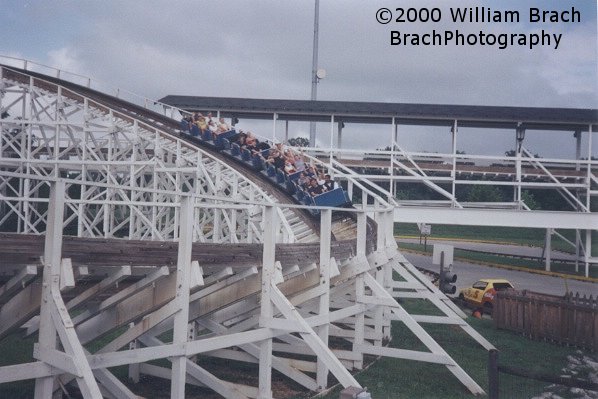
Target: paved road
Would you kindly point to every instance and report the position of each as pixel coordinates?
(497, 248)
(468, 273)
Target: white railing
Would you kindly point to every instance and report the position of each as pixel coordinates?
(522, 171)
(94, 84)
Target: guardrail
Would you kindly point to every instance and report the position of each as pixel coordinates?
(515, 256)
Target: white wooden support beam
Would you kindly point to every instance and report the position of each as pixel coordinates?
(196, 275)
(31, 370)
(349, 334)
(107, 283)
(354, 266)
(293, 348)
(20, 308)
(284, 366)
(302, 270)
(17, 282)
(282, 324)
(378, 260)
(133, 368)
(212, 278)
(57, 359)
(141, 328)
(359, 322)
(334, 270)
(183, 277)
(192, 335)
(159, 325)
(361, 233)
(162, 372)
(277, 277)
(404, 285)
(68, 337)
(336, 315)
(291, 271)
(405, 354)
(412, 295)
(241, 356)
(437, 319)
(80, 272)
(385, 276)
(210, 289)
(223, 388)
(267, 311)
(91, 323)
(112, 385)
(67, 276)
(439, 299)
(424, 337)
(51, 279)
(307, 295)
(430, 292)
(313, 340)
(88, 294)
(324, 305)
(141, 355)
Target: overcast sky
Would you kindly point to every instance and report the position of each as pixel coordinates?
(263, 49)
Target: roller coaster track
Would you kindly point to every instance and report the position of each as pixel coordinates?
(167, 236)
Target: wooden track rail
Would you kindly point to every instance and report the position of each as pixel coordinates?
(18, 250)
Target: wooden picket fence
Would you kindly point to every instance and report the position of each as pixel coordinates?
(571, 320)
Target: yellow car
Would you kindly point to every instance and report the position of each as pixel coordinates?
(482, 292)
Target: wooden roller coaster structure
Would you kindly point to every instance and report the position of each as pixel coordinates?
(124, 243)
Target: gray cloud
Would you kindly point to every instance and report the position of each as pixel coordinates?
(263, 49)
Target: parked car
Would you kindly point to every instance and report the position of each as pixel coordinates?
(482, 292)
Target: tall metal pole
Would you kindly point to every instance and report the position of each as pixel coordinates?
(314, 69)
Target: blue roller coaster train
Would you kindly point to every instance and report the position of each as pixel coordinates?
(288, 182)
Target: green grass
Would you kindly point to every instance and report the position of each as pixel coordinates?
(503, 260)
(15, 350)
(522, 236)
(395, 378)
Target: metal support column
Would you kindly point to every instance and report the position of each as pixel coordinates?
(519, 136)
(588, 251)
(395, 143)
(331, 138)
(274, 119)
(548, 249)
(339, 135)
(588, 248)
(577, 136)
(454, 152)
